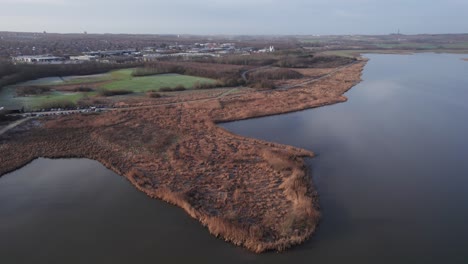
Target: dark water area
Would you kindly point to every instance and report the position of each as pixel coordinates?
(391, 173)
(78, 211)
(392, 168)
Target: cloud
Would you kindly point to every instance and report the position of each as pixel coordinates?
(235, 16)
(35, 2)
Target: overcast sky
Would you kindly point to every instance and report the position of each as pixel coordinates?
(236, 17)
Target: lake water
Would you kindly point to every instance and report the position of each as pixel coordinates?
(391, 173)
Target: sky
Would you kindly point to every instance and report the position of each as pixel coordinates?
(239, 17)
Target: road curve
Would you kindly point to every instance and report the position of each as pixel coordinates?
(13, 125)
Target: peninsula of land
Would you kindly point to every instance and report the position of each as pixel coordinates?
(252, 193)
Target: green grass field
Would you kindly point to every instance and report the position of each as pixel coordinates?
(114, 80)
(35, 102)
(123, 79)
(10, 101)
(146, 83)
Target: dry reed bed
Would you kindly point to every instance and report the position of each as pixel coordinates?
(250, 192)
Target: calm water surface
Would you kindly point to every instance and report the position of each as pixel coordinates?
(391, 172)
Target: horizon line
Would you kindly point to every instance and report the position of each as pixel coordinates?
(224, 34)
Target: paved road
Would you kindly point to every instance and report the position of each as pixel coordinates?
(13, 125)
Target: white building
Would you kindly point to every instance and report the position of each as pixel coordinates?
(37, 59)
(83, 58)
(268, 49)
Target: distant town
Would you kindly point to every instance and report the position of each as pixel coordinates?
(52, 48)
(145, 54)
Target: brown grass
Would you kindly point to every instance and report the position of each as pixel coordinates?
(275, 74)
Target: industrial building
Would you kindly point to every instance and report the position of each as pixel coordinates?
(37, 59)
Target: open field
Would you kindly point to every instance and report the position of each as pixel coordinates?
(250, 192)
(63, 88)
(156, 82)
(9, 100)
(120, 79)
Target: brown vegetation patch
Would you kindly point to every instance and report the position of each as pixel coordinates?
(274, 74)
(31, 90)
(314, 72)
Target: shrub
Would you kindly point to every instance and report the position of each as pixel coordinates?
(32, 90)
(83, 89)
(175, 89)
(231, 82)
(165, 89)
(105, 92)
(263, 84)
(153, 95)
(200, 86)
(179, 88)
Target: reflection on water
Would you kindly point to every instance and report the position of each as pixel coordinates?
(391, 174)
(77, 211)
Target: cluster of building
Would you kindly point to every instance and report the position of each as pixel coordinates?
(37, 59)
(146, 54)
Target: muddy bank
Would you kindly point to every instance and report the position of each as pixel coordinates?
(250, 192)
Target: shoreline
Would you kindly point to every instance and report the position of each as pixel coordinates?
(360, 52)
(250, 192)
